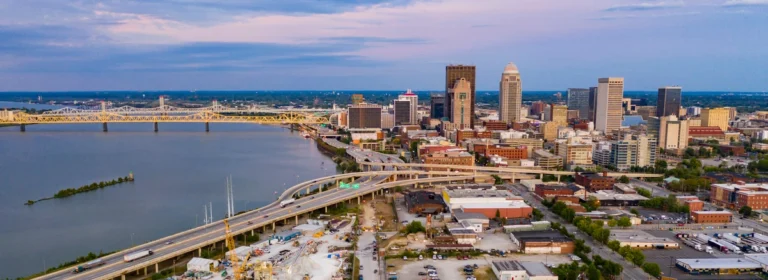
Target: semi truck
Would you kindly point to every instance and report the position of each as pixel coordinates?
(286, 202)
(137, 255)
(88, 265)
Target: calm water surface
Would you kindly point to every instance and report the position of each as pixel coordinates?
(177, 171)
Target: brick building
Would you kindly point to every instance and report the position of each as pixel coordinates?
(693, 202)
(706, 132)
(735, 196)
(544, 190)
(423, 202)
(711, 217)
(450, 158)
(595, 182)
(542, 242)
(507, 152)
(495, 125)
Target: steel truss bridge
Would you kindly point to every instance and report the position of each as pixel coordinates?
(170, 114)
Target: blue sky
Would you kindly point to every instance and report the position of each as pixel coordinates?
(54, 45)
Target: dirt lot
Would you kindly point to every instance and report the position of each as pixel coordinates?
(498, 241)
(385, 213)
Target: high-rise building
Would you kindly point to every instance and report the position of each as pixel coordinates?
(414, 101)
(646, 111)
(673, 134)
(454, 73)
(715, 117)
(549, 131)
(387, 120)
(537, 107)
(578, 99)
(462, 107)
(365, 116)
(357, 98)
(732, 113)
(608, 114)
(559, 114)
(510, 94)
(668, 102)
(574, 151)
(633, 150)
(436, 106)
(592, 103)
(693, 111)
(402, 112)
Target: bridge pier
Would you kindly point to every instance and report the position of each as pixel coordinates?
(104, 127)
(297, 219)
(207, 128)
(558, 178)
(23, 127)
(358, 200)
(145, 270)
(157, 268)
(122, 277)
(199, 251)
(156, 128)
(326, 209)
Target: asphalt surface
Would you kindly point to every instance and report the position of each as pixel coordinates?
(197, 237)
(630, 270)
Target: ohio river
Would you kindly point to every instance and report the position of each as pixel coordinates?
(177, 171)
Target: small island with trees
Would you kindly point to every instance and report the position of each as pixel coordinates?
(86, 188)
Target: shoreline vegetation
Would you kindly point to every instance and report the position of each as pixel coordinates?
(86, 188)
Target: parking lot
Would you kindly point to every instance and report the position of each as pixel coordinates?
(452, 269)
(652, 216)
(666, 259)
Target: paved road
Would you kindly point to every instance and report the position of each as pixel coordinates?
(204, 235)
(655, 189)
(630, 271)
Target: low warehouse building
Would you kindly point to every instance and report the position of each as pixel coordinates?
(508, 209)
(542, 242)
(510, 270)
(477, 220)
(717, 266)
(642, 240)
(711, 217)
(201, 264)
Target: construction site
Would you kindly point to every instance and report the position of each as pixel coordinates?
(318, 249)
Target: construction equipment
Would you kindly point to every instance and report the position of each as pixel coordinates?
(237, 265)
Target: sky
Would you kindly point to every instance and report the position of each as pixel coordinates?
(701, 45)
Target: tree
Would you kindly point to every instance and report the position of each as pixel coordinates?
(624, 222)
(593, 273)
(415, 227)
(592, 204)
(614, 245)
(624, 179)
(612, 223)
(652, 269)
(497, 179)
(745, 210)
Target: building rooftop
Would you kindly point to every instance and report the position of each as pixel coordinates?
(638, 236)
(479, 192)
(540, 235)
(461, 215)
(712, 212)
(498, 205)
(604, 195)
(747, 189)
(508, 265)
(554, 187)
(536, 269)
(511, 68)
(718, 263)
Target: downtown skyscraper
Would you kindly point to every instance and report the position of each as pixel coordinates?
(578, 99)
(669, 101)
(454, 73)
(510, 94)
(608, 112)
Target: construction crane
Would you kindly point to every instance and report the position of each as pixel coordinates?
(262, 270)
(237, 266)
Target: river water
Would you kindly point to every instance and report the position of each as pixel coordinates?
(177, 171)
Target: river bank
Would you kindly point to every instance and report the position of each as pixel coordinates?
(181, 169)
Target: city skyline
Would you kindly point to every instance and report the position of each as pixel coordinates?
(348, 45)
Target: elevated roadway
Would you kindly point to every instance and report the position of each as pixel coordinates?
(498, 169)
(195, 239)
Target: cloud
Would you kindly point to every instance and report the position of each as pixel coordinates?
(646, 15)
(742, 3)
(645, 6)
